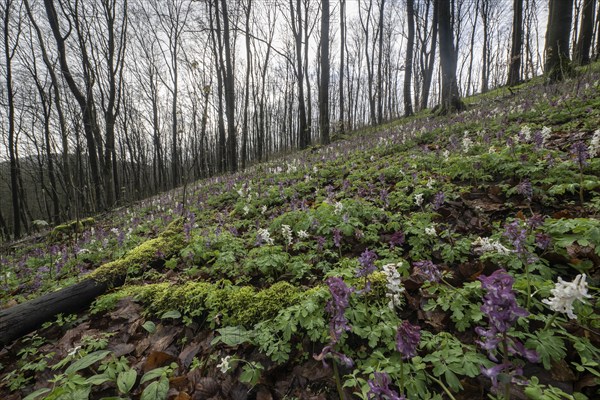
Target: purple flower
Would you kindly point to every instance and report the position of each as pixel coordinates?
(536, 221)
(367, 263)
(397, 239)
(580, 152)
(525, 189)
(517, 235)
(407, 339)
(320, 243)
(438, 200)
(337, 237)
(500, 303)
(542, 240)
(336, 307)
(493, 372)
(428, 270)
(379, 388)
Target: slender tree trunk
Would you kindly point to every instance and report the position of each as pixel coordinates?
(516, 50)
(430, 61)
(244, 155)
(229, 94)
(9, 52)
(342, 62)
(557, 63)
(380, 63)
(410, 15)
(451, 101)
(324, 84)
(581, 54)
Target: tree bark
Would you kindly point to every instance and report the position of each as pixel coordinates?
(410, 15)
(324, 84)
(581, 55)
(451, 101)
(430, 59)
(557, 63)
(342, 62)
(516, 50)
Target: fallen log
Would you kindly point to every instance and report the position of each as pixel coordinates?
(24, 318)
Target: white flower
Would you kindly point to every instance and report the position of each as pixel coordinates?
(430, 231)
(486, 245)
(339, 207)
(419, 199)
(302, 234)
(246, 210)
(265, 236)
(492, 150)
(73, 351)
(372, 158)
(263, 209)
(430, 183)
(393, 285)
(224, 365)
(526, 134)
(594, 148)
(565, 293)
(546, 132)
(446, 154)
(286, 232)
(315, 169)
(466, 142)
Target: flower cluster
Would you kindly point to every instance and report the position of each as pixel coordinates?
(467, 143)
(263, 236)
(407, 339)
(579, 151)
(286, 232)
(564, 295)
(338, 324)
(428, 270)
(379, 388)
(594, 148)
(525, 189)
(502, 311)
(517, 235)
(438, 200)
(397, 239)
(393, 286)
(419, 199)
(487, 245)
(367, 263)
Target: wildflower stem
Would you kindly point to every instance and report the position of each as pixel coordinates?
(338, 383)
(506, 362)
(402, 391)
(444, 387)
(550, 322)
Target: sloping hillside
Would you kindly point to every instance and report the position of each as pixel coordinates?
(416, 258)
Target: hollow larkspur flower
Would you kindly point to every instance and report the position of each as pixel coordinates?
(407, 339)
(379, 388)
(367, 263)
(564, 295)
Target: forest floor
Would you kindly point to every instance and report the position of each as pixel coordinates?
(305, 277)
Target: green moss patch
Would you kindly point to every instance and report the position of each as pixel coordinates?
(169, 243)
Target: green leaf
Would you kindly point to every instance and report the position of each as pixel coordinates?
(126, 380)
(174, 314)
(149, 326)
(86, 361)
(36, 394)
(156, 390)
(152, 374)
(98, 379)
(232, 336)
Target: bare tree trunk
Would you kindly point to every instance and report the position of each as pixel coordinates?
(324, 84)
(516, 50)
(430, 61)
(244, 155)
(379, 64)
(410, 15)
(9, 52)
(451, 101)
(581, 54)
(557, 62)
(229, 93)
(342, 62)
